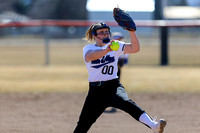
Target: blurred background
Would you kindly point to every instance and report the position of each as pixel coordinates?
(37, 45)
(38, 33)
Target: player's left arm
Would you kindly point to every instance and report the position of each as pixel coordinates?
(126, 22)
(134, 46)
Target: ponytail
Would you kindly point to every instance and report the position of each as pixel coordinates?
(88, 35)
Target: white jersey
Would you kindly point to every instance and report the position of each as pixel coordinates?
(125, 56)
(104, 68)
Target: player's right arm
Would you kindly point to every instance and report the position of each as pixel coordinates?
(96, 54)
(134, 47)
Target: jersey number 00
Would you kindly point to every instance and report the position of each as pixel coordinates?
(108, 69)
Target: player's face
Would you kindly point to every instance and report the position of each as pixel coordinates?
(102, 34)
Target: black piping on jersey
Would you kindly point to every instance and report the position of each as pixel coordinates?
(103, 61)
(123, 47)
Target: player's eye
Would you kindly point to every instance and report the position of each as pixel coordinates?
(103, 33)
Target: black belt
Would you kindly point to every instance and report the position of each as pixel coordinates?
(99, 83)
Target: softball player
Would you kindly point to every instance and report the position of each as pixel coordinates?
(105, 90)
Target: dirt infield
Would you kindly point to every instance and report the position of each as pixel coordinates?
(58, 113)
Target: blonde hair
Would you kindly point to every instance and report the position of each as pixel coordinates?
(88, 35)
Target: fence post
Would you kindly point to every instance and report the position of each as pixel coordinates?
(158, 15)
(47, 57)
(164, 46)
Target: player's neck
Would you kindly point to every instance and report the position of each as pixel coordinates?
(100, 44)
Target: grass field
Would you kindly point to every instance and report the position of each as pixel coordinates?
(31, 52)
(22, 67)
(74, 79)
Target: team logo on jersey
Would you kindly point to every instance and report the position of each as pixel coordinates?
(103, 61)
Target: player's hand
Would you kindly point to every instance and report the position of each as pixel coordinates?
(108, 48)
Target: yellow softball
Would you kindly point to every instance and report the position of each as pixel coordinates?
(114, 45)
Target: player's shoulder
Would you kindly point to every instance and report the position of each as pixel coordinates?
(88, 46)
(120, 42)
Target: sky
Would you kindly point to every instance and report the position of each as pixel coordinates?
(127, 5)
